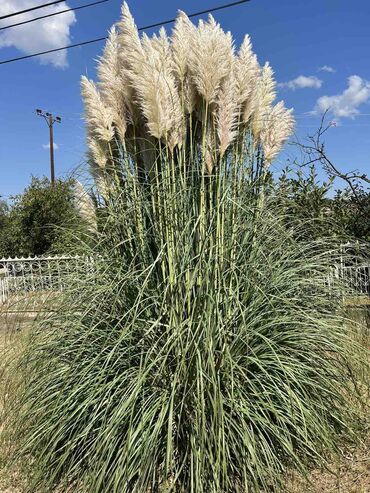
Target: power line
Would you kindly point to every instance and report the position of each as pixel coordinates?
(54, 13)
(30, 9)
(96, 40)
(52, 51)
(195, 14)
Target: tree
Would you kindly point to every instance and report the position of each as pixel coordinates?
(353, 211)
(4, 225)
(343, 213)
(4, 210)
(38, 218)
(305, 200)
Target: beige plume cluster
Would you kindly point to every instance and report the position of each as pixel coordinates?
(151, 89)
(85, 206)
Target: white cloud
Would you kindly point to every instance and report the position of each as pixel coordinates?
(345, 104)
(42, 35)
(326, 68)
(47, 146)
(301, 82)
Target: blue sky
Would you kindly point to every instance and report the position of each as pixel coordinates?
(297, 37)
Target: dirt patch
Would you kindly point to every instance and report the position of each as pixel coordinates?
(349, 474)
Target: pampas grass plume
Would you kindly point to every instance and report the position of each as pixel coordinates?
(148, 87)
(265, 95)
(98, 116)
(210, 58)
(278, 127)
(111, 83)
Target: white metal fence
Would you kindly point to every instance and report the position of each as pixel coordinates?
(19, 276)
(356, 278)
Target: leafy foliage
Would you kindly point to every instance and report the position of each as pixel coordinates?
(4, 216)
(38, 218)
(353, 211)
(342, 214)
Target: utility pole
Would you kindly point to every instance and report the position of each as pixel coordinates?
(50, 120)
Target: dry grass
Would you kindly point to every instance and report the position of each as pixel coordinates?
(349, 474)
(11, 329)
(357, 301)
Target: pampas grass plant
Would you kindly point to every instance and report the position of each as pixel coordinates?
(185, 94)
(202, 353)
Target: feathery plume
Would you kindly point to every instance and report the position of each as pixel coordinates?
(85, 206)
(111, 84)
(182, 34)
(278, 127)
(99, 117)
(210, 58)
(227, 114)
(265, 95)
(148, 85)
(97, 157)
(182, 37)
(246, 71)
(98, 152)
(131, 58)
(128, 37)
(156, 88)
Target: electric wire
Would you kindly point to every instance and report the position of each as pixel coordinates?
(30, 9)
(54, 13)
(96, 40)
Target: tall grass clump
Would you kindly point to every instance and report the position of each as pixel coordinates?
(201, 353)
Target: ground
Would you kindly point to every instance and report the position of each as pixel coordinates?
(10, 480)
(349, 474)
